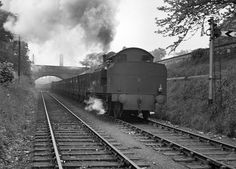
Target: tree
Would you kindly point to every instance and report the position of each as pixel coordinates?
(11, 55)
(158, 54)
(6, 73)
(25, 62)
(5, 36)
(185, 18)
(92, 59)
(10, 50)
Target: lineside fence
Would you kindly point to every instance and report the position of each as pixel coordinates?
(188, 77)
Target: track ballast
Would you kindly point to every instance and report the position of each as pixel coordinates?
(192, 150)
(66, 141)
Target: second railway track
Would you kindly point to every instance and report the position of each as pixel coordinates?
(66, 141)
(192, 150)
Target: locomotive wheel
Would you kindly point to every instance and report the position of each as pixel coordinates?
(146, 114)
(118, 110)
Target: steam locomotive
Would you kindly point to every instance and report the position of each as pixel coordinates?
(128, 82)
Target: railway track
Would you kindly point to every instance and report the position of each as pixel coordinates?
(192, 150)
(64, 140)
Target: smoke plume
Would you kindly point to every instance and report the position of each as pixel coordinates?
(95, 104)
(64, 22)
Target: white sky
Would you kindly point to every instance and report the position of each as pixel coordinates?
(135, 28)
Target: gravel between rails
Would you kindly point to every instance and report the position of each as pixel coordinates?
(64, 124)
(153, 158)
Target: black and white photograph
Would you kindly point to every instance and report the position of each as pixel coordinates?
(117, 84)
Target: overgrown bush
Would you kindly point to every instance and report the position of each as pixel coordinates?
(6, 73)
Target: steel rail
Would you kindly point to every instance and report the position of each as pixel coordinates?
(130, 164)
(52, 136)
(202, 138)
(210, 161)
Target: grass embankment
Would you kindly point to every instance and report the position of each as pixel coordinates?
(188, 100)
(17, 119)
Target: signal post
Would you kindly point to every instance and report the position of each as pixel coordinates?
(210, 96)
(214, 33)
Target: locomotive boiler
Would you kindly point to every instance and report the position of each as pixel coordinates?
(128, 82)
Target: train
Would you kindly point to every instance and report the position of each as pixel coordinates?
(127, 82)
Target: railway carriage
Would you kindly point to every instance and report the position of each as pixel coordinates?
(128, 82)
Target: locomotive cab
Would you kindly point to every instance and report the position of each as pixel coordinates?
(124, 57)
(135, 83)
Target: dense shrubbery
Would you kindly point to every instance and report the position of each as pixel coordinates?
(6, 73)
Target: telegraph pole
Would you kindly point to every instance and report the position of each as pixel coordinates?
(19, 59)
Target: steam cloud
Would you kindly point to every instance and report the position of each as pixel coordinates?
(95, 104)
(64, 23)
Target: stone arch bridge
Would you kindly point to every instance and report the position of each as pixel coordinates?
(62, 72)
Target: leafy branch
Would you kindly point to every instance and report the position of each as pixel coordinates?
(185, 18)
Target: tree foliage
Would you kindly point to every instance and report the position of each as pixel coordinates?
(5, 36)
(185, 18)
(11, 55)
(6, 73)
(25, 62)
(10, 49)
(92, 59)
(158, 54)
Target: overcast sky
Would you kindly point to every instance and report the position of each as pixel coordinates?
(137, 26)
(132, 23)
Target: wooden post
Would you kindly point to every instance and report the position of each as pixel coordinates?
(19, 59)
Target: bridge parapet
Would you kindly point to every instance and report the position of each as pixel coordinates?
(62, 72)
